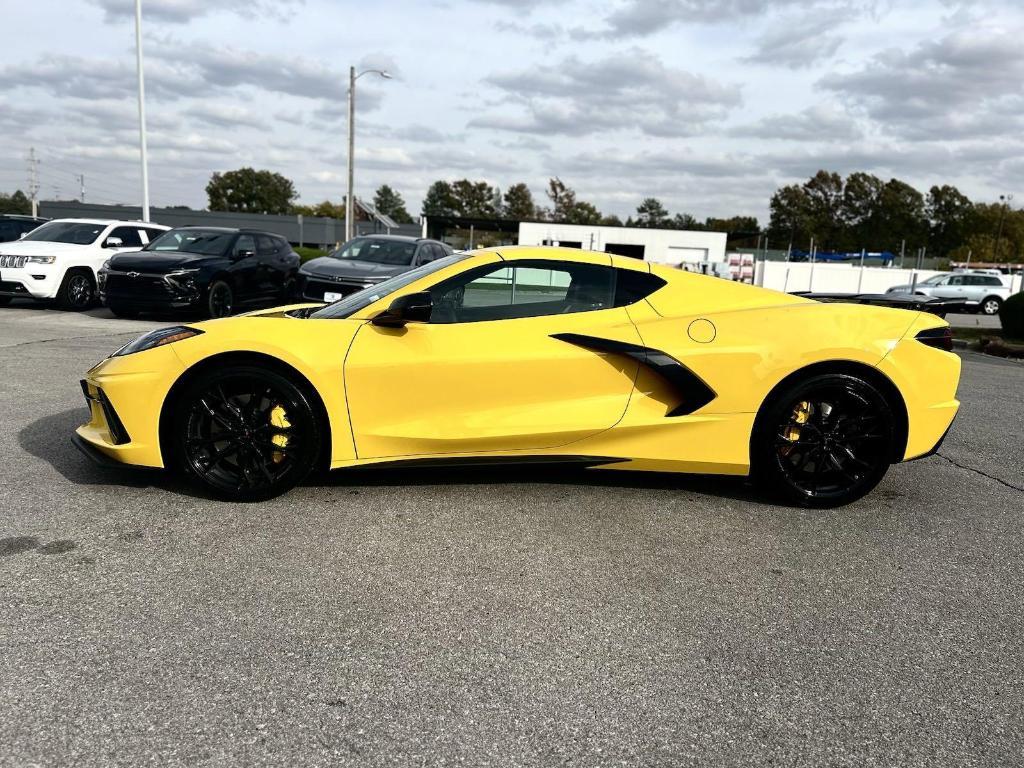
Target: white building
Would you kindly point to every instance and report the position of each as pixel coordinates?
(675, 247)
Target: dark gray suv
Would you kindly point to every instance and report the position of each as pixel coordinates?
(365, 261)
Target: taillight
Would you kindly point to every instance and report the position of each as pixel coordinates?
(940, 338)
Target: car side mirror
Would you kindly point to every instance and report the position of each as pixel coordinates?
(113, 242)
(244, 254)
(411, 308)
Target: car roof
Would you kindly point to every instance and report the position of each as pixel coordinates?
(396, 238)
(230, 230)
(107, 222)
(562, 253)
(22, 217)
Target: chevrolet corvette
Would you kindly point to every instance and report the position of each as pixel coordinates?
(526, 354)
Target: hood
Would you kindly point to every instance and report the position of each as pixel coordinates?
(328, 266)
(40, 248)
(157, 261)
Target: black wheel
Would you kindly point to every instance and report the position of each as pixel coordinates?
(991, 305)
(124, 312)
(77, 291)
(220, 299)
(825, 442)
(245, 433)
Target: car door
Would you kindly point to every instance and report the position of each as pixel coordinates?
(269, 275)
(950, 288)
(244, 268)
(487, 373)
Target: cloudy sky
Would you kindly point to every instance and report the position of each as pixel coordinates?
(707, 104)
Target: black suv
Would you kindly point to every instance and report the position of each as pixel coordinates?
(13, 226)
(365, 261)
(211, 270)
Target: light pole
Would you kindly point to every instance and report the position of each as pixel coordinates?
(1005, 200)
(350, 200)
(142, 110)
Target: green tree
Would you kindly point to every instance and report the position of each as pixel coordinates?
(951, 218)
(390, 203)
(651, 213)
(250, 191)
(583, 213)
(563, 199)
(685, 221)
(473, 198)
(824, 196)
(518, 203)
(611, 220)
(859, 210)
(440, 200)
(790, 222)
(16, 203)
(900, 216)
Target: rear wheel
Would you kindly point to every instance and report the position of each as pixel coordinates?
(824, 442)
(991, 305)
(220, 299)
(77, 290)
(245, 433)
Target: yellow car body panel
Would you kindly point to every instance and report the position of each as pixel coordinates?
(508, 388)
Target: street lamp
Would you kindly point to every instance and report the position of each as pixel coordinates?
(142, 110)
(1005, 200)
(350, 200)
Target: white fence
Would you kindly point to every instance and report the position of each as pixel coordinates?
(842, 278)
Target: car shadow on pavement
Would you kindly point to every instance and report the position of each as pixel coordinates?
(737, 488)
(49, 439)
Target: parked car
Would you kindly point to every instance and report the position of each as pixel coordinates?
(982, 293)
(210, 270)
(365, 261)
(60, 260)
(13, 226)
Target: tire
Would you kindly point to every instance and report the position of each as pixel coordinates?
(824, 442)
(244, 433)
(123, 312)
(77, 290)
(220, 299)
(990, 306)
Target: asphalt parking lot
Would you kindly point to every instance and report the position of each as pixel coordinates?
(501, 617)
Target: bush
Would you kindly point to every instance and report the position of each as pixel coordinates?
(308, 253)
(1011, 315)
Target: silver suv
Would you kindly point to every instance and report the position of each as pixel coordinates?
(983, 293)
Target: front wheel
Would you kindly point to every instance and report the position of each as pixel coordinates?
(77, 291)
(824, 442)
(991, 305)
(220, 299)
(244, 433)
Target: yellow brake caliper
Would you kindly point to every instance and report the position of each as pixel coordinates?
(801, 415)
(279, 420)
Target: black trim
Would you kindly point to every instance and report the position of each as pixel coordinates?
(692, 390)
(94, 454)
(486, 461)
(118, 434)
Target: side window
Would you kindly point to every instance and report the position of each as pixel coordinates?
(632, 286)
(282, 245)
(129, 237)
(153, 234)
(525, 289)
(9, 230)
(993, 281)
(265, 245)
(245, 243)
(956, 281)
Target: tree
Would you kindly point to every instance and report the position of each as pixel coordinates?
(390, 203)
(250, 191)
(439, 200)
(859, 209)
(611, 220)
(583, 213)
(518, 203)
(951, 217)
(16, 203)
(684, 221)
(325, 208)
(651, 213)
(563, 199)
(473, 198)
(824, 198)
(790, 221)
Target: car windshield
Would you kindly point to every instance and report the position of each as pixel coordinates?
(71, 232)
(352, 303)
(377, 250)
(208, 242)
(933, 280)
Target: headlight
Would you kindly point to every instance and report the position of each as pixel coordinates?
(106, 266)
(157, 338)
(41, 259)
(182, 278)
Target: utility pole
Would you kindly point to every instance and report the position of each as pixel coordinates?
(903, 252)
(142, 110)
(349, 198)
(33, 180)
(1005, 200)
(81, 180)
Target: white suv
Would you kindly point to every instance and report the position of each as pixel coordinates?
(60, 259)
(982, 292)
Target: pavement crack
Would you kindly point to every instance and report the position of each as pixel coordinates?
(999, 480)
(64, 338)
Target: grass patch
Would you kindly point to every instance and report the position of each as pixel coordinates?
(308, 253)
(977, 334)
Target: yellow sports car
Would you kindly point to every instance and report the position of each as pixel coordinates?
(526, 354)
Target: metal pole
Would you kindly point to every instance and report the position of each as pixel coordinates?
(350, 199)
(33, 184)
(810, 281)
(81, 179)
(968, 259)
(903, 252)
(142, 111)
(860, 277)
